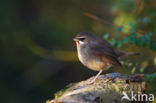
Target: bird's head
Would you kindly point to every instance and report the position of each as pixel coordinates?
(84, 38)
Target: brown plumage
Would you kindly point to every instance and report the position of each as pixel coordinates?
(96, 53)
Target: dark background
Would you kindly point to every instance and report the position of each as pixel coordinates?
(38, 56)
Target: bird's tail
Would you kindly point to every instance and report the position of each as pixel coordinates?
(125, 54)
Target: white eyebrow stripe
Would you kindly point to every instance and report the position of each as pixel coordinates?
(81, 42)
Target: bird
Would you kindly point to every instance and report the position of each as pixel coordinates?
(98, 54)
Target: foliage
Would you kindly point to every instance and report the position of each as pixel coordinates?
(134, 28)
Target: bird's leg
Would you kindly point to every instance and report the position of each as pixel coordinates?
(95, 77)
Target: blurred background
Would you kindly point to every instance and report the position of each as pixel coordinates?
(38, 56)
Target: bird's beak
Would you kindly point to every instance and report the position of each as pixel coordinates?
(75, 39)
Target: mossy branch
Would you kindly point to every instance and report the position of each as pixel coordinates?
(107, 88)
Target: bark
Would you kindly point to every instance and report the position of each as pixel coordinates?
(107, 88)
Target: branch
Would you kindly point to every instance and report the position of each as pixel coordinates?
(107, 88)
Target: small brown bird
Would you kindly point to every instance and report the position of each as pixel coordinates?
(97, 54)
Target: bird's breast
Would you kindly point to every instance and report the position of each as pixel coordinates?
(91, 62)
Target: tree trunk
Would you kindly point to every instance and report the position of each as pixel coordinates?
(109, 88)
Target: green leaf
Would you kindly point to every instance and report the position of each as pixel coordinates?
(139, 41)
(126, 40)
(142, 69)
(130, 64)
(106, 36)
(133, 24)
(133, 70)
(149, 34)
(133, 37)
(118, 44)
(112, 41)
(146, 39)
(153, 46)
(122, 62)
(120, 29)
(133, 29)
(146, 20)
(150, 77)
(155, 38)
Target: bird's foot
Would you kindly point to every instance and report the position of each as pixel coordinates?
(90, 82)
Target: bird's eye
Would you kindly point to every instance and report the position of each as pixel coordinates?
(81, 39)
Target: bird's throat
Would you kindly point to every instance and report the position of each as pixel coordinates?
(77, 43)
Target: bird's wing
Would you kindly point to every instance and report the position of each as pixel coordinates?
(105, 54)
(108, 59)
